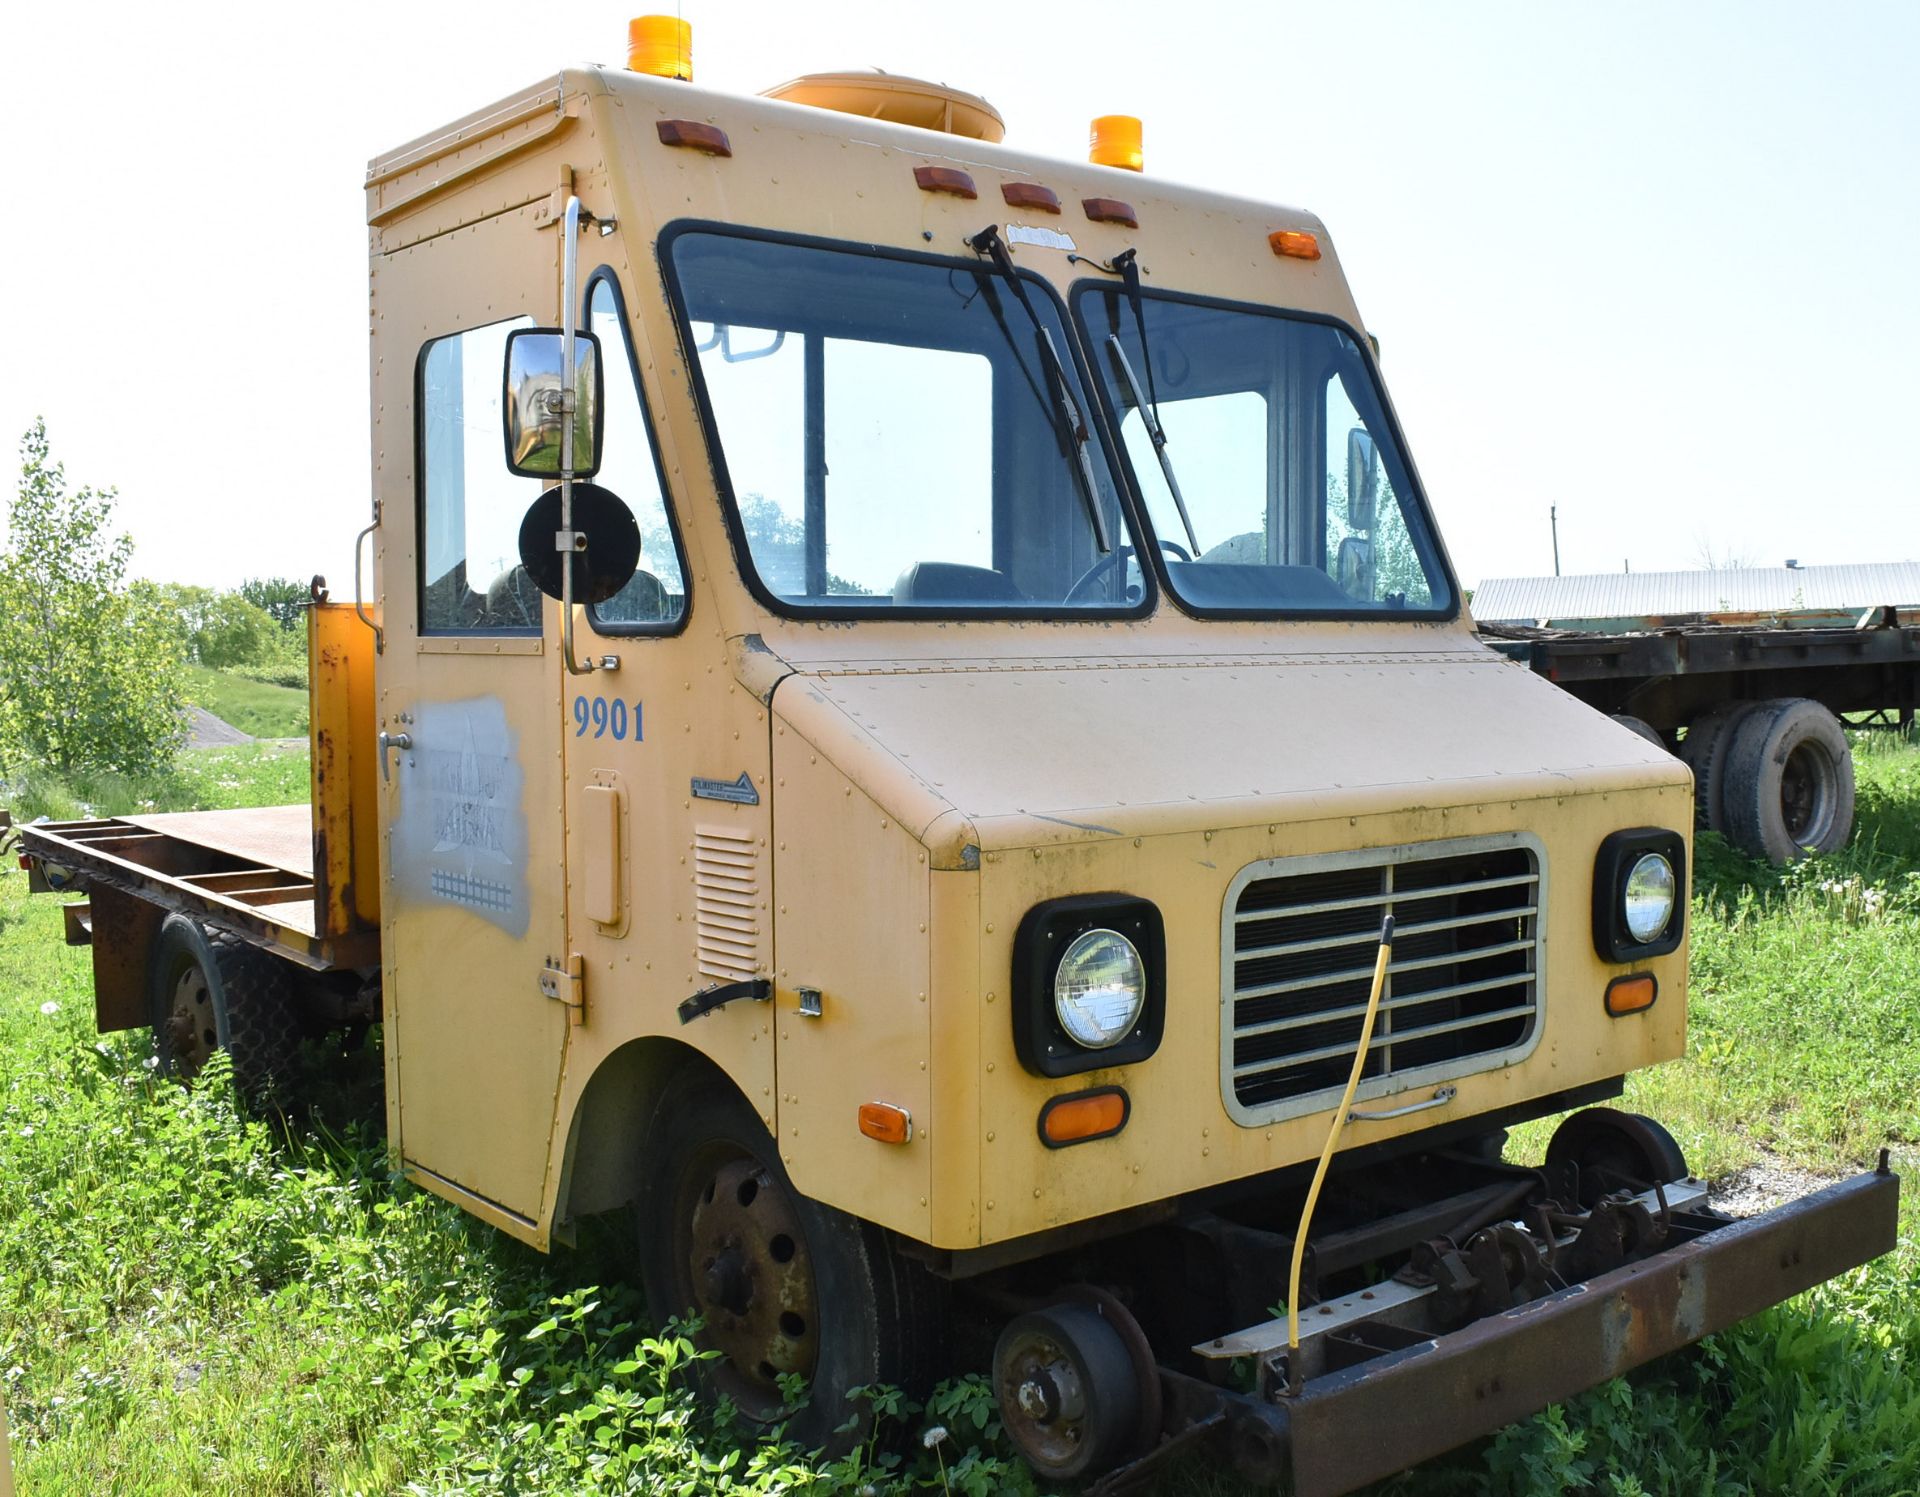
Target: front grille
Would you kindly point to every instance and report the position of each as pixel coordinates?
(1462, 993)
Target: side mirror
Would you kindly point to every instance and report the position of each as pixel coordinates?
(535, 406)
(1363, 479)
(607, 561)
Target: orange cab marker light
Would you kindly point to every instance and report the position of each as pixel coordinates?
(1110, 211)
(661, 47)
(1114, 140)
(945, 179)
(1081, 1117)
(695, 136)
(886, 1123)
(1295, 244)
(1030, 195)
(1632, 994)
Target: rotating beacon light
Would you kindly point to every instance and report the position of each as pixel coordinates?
(661, 47)
(1114, 140)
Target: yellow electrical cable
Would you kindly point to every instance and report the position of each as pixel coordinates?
(1326, 1154)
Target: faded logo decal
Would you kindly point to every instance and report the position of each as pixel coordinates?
(461, 837)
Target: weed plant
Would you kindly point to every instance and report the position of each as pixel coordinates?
(191, 1300)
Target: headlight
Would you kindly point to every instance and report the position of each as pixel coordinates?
(1089, 984)
(1647, 900)
(1639, 894)
(1099, 988)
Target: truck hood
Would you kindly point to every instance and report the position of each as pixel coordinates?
(974, 759)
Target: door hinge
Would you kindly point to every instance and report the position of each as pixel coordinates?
(566, 982)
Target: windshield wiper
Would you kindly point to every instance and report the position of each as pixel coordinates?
(1069, 424)
(1147, 402)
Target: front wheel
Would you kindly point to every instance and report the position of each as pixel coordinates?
(782, 1285)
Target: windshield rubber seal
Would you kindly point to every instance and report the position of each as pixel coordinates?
(617, 628)
(1088, 287)
(1053, 613)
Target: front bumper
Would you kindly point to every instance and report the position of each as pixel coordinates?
(1366, 1421)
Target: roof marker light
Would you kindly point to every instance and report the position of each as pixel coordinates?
(1030, 195)
(660, 47)
(1114, 140)
(1295, 244)
(945, 179)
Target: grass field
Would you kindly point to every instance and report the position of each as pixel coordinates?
(256, 708)
(193, 1303)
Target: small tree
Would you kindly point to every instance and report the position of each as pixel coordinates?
(282, 597)
(90, 675)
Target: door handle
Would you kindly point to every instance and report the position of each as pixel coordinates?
(389, 742)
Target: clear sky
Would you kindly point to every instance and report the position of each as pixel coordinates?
(1657, 264)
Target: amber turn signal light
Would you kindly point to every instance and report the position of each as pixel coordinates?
(1079, 1117)
(1295, 244)
(886, 1123)
(1632, 994)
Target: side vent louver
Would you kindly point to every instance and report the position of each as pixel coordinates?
(726, 902)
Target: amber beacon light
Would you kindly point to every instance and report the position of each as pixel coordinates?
(661, 47)
(1114, 140)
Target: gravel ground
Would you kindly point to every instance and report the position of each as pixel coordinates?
(204, 730)
(1763, 1185)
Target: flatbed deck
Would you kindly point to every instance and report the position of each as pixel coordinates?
(250, 871)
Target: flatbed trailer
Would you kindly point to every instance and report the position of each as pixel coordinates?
(1696, 685)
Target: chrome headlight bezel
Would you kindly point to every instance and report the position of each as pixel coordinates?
(1046, 932)
(1620, 854)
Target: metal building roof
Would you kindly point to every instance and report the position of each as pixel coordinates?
(1629, 598)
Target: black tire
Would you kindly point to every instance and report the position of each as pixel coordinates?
(1704, 751)
(1068, 1390)
(209, 991)
(781, 1283)
(1788, 782)
(1643, 729)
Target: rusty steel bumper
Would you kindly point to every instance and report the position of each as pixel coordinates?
(1350, 1427)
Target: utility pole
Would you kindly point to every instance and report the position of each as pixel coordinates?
(1553, 519)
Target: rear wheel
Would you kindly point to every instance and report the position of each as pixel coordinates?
(1643, 728)
(1704, 750)
(1788, 784)
(209, 991)
(783, 1285)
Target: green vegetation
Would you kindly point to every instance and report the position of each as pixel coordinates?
(258, 708)
(227, 631)
(89, 665)
(190, 1302)
(245, 775)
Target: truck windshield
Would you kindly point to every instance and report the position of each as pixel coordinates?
(888, 437)
(1297, 497)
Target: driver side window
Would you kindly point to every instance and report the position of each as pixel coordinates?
(471, 580)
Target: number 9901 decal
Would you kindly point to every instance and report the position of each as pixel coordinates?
(606, 717)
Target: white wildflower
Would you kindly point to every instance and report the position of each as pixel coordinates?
(49, 1008)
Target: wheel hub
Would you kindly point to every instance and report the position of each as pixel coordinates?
(192, 1036)
(752, 1281)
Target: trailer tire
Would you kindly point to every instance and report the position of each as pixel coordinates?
(725, 1236)
(1704, 751)
(211, 991)
(1643, 729)
(1788, 782)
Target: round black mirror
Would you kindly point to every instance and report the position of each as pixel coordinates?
(613, 543)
